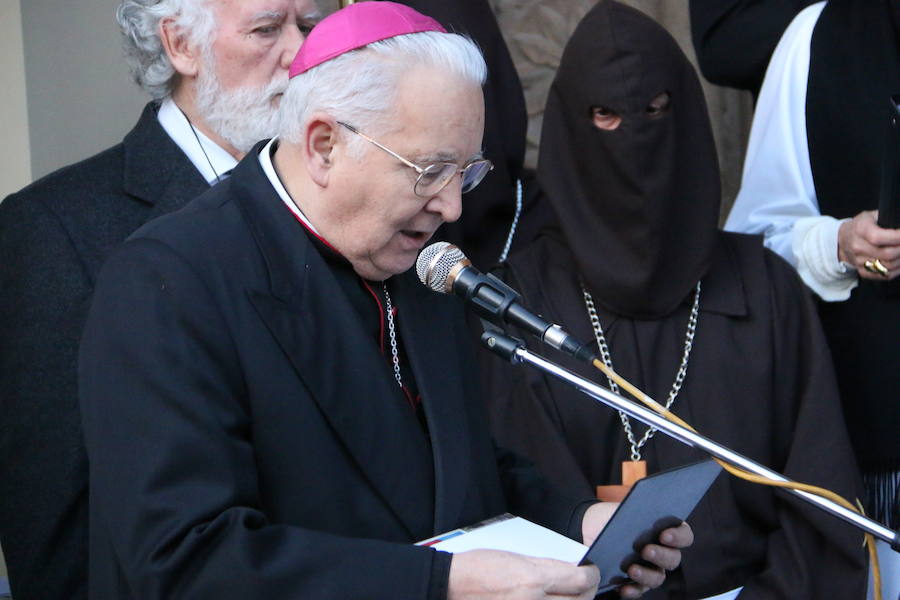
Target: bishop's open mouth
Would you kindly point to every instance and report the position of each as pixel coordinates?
(417, 238)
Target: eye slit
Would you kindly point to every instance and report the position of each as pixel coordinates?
(605, 118)
(659, 105)
(305, 27)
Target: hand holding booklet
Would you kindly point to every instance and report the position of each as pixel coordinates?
(653, 504)
(511, 534)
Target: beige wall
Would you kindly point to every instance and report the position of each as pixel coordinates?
(80, 96)
(15, 151)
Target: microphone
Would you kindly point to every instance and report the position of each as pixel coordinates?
(443, 268)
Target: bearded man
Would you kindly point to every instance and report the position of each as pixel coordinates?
(215, 70)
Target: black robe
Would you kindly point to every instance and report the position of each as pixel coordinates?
(759, 380)
(846, 157)
(637, 207)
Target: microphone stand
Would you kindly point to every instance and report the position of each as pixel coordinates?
(514, 351)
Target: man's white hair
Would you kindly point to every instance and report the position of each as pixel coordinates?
(144, 52)
(359, 87)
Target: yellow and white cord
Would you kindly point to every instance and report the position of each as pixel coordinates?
(748, 476)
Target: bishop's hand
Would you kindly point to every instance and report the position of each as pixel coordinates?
(495, 575)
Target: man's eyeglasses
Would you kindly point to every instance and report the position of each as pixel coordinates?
(435, 177)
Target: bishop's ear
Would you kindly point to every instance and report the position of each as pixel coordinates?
(319, 147)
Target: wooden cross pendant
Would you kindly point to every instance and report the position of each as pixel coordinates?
(632, 470)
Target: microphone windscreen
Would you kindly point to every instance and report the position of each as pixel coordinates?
(435, 263)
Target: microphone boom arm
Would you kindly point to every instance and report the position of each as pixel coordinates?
(494, 301)
(514, 351)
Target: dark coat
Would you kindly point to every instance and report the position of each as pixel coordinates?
(734, 39)
(246, 436)
(54, 235)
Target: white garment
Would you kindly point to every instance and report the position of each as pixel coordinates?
(210, 159)
(265, 161)
(778, 196)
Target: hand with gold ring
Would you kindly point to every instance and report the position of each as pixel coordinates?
(875, 266)
(872, 250)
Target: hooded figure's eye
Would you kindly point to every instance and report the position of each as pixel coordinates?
(605, 118)
(659, 105)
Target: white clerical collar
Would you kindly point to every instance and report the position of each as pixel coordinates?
(207, 156)
(265, 160)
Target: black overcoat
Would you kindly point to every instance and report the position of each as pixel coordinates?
(54, 235)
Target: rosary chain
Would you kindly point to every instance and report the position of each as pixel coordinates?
(607, 360)
(392, 335)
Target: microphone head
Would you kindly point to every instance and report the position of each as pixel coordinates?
(435, 264)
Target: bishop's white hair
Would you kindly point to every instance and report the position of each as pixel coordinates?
(144, 52)
(359, 87)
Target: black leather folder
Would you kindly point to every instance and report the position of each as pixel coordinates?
(889, 202)
(654, 503)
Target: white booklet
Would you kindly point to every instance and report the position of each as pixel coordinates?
(512, 534)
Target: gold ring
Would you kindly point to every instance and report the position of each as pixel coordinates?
(876, 268)
(870, 267)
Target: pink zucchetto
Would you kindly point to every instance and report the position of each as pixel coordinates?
(356, 26)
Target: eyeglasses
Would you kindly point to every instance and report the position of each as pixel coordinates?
(435, 177)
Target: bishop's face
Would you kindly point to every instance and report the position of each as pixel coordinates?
(378, 222)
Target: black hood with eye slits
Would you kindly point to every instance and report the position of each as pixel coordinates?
(638, 206)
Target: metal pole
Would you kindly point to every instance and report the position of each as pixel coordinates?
(696, 440)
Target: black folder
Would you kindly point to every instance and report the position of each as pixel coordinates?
(654, 503)
(889, 202)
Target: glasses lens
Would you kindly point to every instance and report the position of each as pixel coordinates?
(433, 178)
(474, 173)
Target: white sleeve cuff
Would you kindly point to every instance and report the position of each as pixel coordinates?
(815, 246)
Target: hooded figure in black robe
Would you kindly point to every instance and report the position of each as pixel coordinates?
(491, 209)
(628, 163)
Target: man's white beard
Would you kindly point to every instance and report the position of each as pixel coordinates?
(242, 116)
